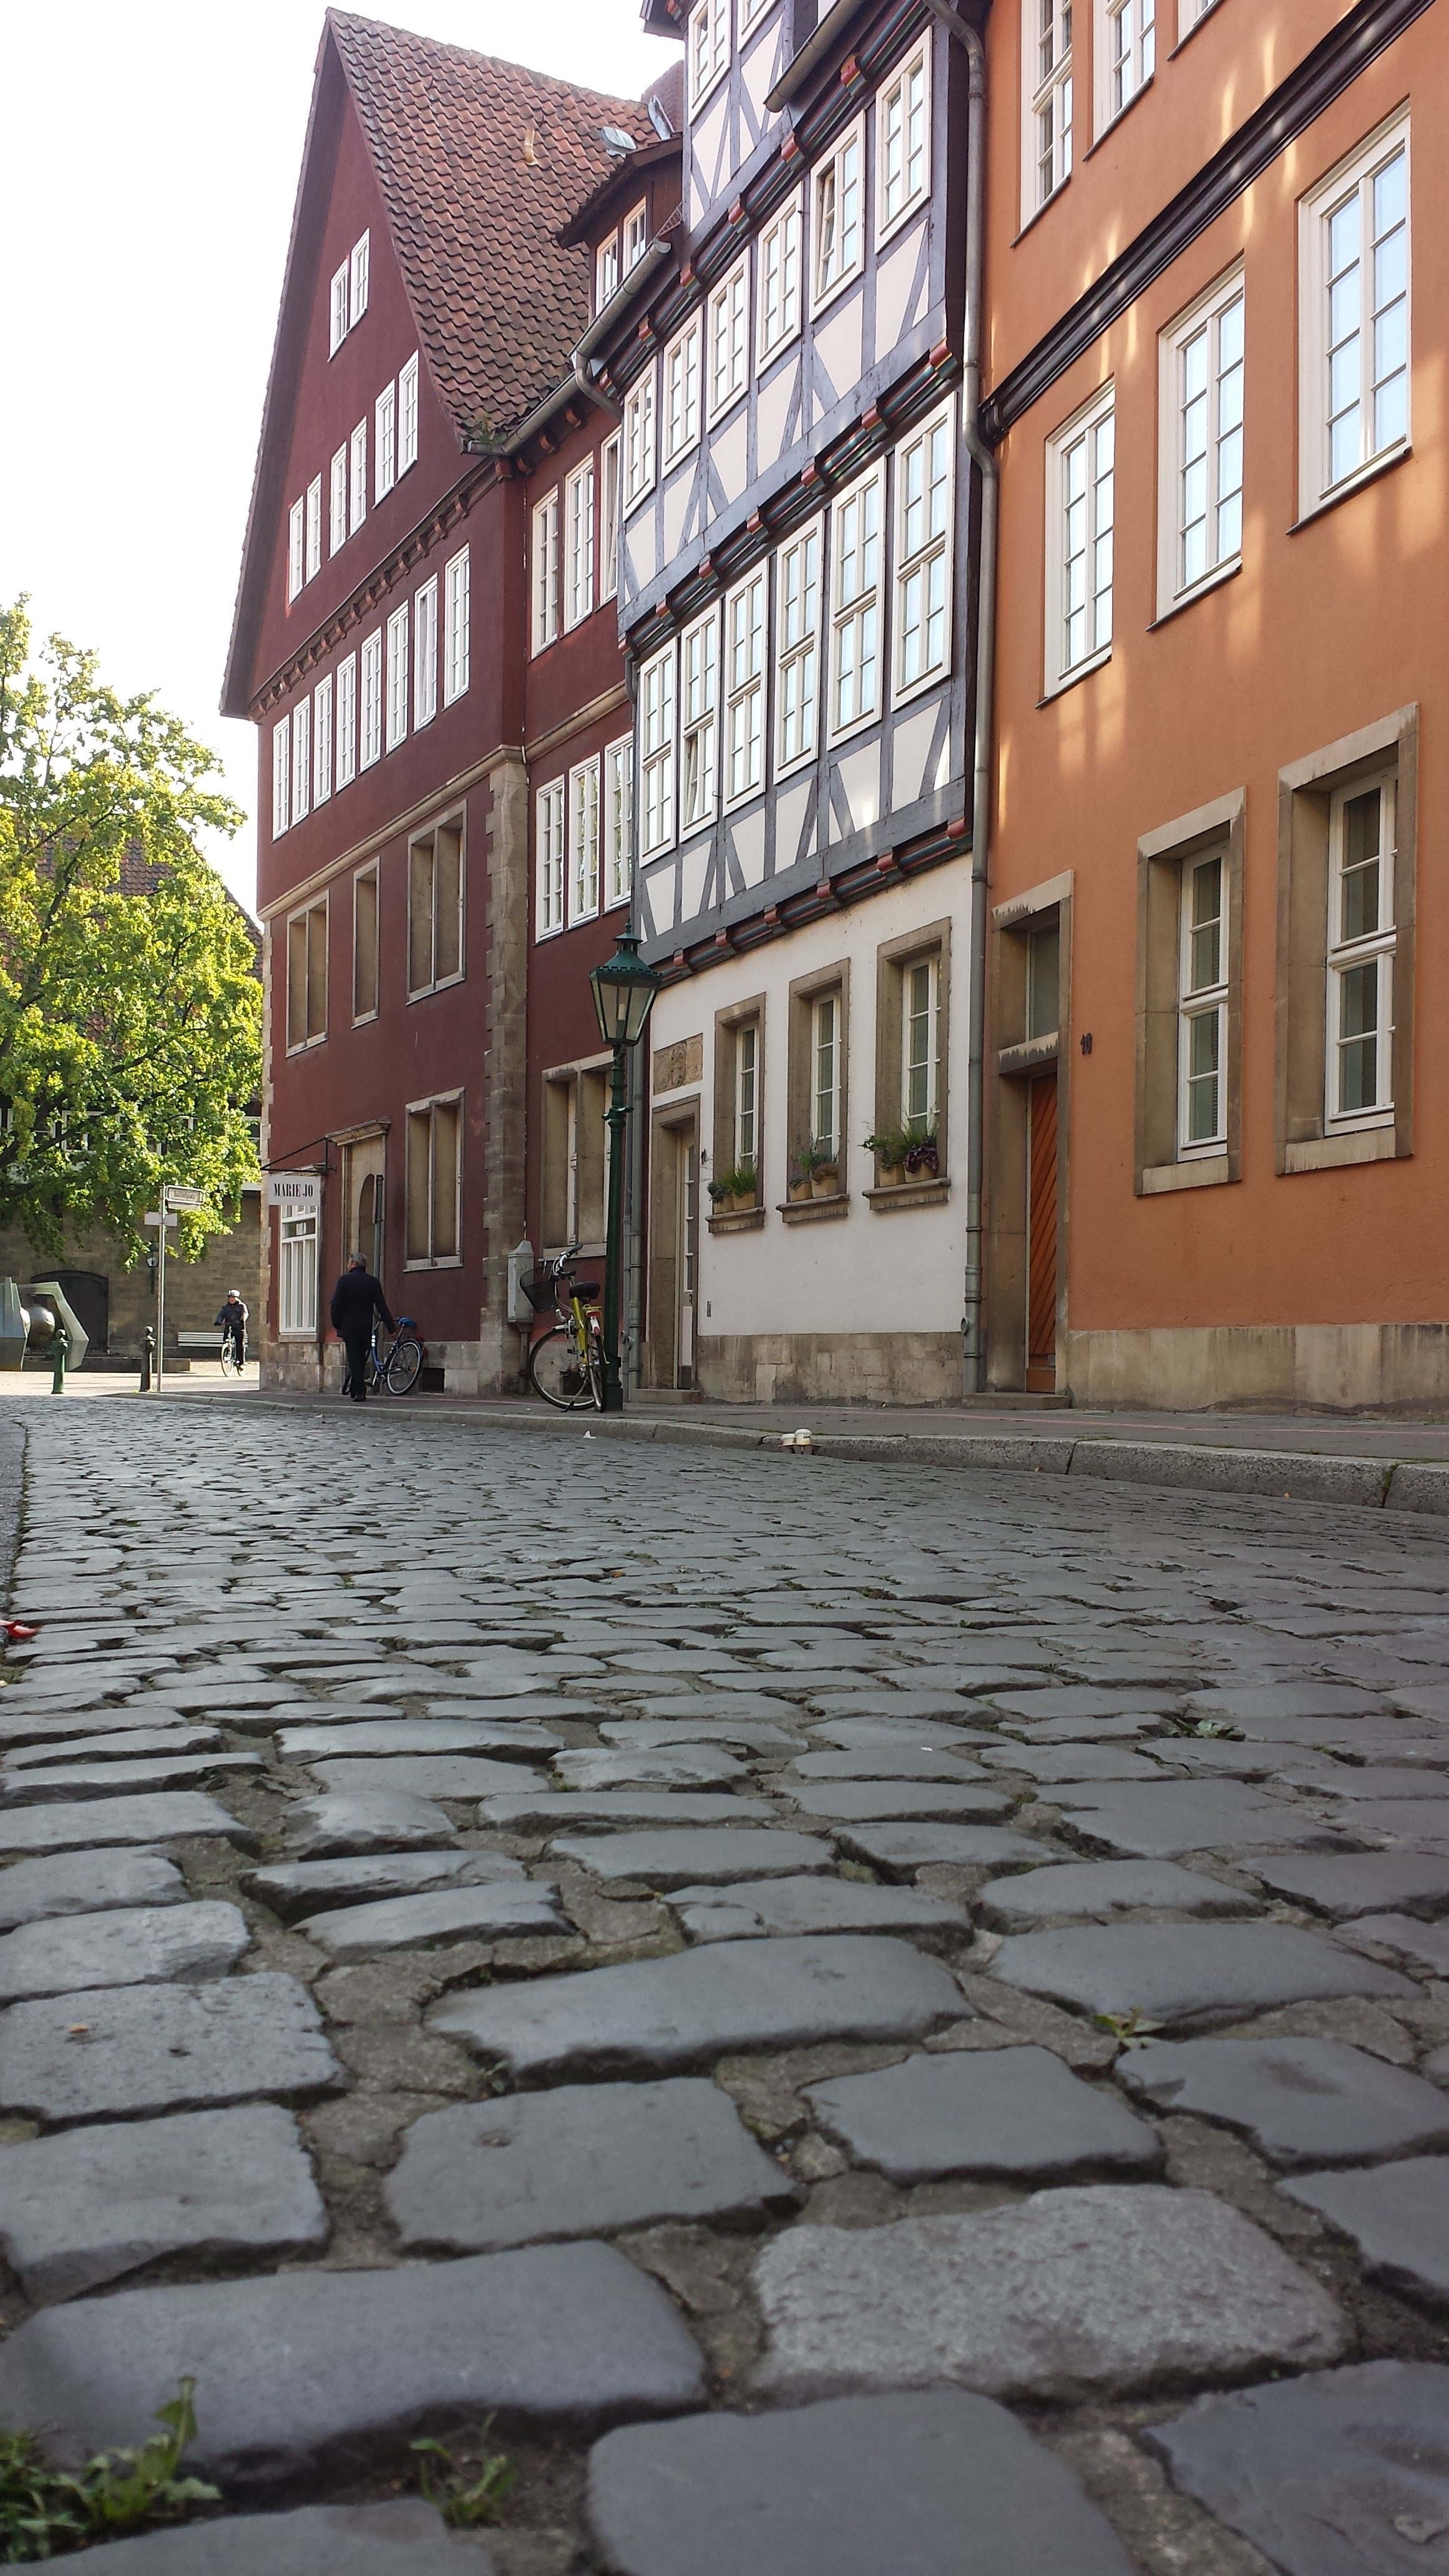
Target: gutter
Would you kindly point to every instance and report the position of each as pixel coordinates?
(827, 35)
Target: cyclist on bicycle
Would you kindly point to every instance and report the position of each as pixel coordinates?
(356, 1298)
(232, 1321)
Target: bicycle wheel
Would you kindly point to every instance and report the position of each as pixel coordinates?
(557, 1370)
(404, 1366)
(228, 1356)
(596, 1364)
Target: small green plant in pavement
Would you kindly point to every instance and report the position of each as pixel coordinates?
(47, 2512)
(1130, 2029)
(463, 2499)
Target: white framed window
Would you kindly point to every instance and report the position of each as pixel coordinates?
(921, 1043)
(839, 236)
(681, 392)
(455, 627)
(296, 548)
(281, 776)
(709, 47)
(407, 415)
(1200, 478)
(302, 761)
(923, 553)
(746, 1122)
(314, 527)
(855, 547)
(1126, 54)
(635, 235)
(1202, 1008)
(619, 821)
(545, 572)
(797, 645)
(826, 1035)
(606, 271)
(425, 653)
(778, 274)
(434, 1182)
(357, 474)
(750, 10)
(639, 439)
(698, 721)
(729, 340)
(1046, 90)
(297, 1295)
(337, 303)
(1354, 308)
(1361, 942)
(584, 841)
(1188, 14)
(322, 741)
(549, 912)
(397, 677)
(370, 748)
(745, 688)
(656, 753)
(579, 544)
(903, 142)
(1080, 506)
(361, 264)
(337, 515)
(609, 455)
(347, 721)
(384, 424)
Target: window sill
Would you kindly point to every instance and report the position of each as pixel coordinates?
(1073, 679)
(739, 1221)
(1115, 119)
(814, 1211)
(447, 984)
(1189, 599)
(1326, 1153)
(445, 1261)
(304, 1046)
(1192, 31)
(1030, 222)
(1356, 483)
(832, 294)
(1207, 1172)
(893, 1198)
(1030, 1056)
(887, 231)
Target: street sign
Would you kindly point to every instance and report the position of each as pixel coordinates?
(178, 1194)
(153, 1216)
(300, 1192)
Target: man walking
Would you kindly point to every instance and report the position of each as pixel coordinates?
(356, 1298)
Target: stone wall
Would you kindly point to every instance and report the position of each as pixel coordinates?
(1327, 1367)
(194, 1289)
(829, 1368)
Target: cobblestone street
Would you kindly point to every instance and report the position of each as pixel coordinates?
(852, 2021)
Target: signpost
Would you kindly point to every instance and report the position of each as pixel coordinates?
(176, 1197)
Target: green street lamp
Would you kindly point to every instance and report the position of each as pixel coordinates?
(624, 991)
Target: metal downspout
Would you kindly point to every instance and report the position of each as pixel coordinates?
(973, 1334)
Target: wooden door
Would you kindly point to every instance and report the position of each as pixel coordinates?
(1041, 1237)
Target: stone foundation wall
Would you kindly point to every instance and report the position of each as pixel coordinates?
(829, 1368)
(1328, 1367)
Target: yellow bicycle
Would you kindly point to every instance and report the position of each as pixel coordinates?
(566, 1364)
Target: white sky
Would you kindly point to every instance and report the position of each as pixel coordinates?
(152, 153)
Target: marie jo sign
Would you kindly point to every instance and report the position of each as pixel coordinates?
(300, 1193)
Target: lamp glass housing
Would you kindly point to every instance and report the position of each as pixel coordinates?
(624, 991)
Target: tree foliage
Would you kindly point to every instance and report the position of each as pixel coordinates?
(130, 1011)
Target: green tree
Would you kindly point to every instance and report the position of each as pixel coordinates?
(130, 1010)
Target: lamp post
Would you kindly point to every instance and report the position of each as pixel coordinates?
(624, 991)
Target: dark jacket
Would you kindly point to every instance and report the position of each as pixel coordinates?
(356, 1298)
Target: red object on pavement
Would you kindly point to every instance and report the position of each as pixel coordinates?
(16, 1631)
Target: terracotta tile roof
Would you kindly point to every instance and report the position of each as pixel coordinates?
(481, 164)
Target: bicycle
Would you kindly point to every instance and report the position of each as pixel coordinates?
(233, 1355)
(566, 1364)
(398, 1368)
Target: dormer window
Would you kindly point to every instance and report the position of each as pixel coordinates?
(606, 271)
(636, 236)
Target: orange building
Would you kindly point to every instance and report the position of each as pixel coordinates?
(1217, 375)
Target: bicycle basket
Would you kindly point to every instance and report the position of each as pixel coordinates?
(542, 1291)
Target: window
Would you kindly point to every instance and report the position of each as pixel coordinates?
(435, 909)
(407, 415)
(347, 721)
(636, 235)
(639, 440)
(1047, 92)
(301, 760)
(1201, 475)
(855, 606)
(699, 720)
(825, 1044)
(606, 271)
(1361, 952)
(364, 944)
(1354, 299)
(434, 1178)
(425, 654)
(357, 461)
(728, 341)
(338, 307)
(549, 912)
(1188, 14)
(281, 776)
(1202, 1011)
(656, 752)
(619, 821)
(839, 216)
(307, 976)
(609, 518)
(297, 1297)
(545, 572)
(579, 545)
(797, 623)
(314, 526)
(709, 46)
(1189, 999)
(397, 677)
(322, 741)
(1126, 54)
(385, 442)
(903, 141)
(923, 554)
(371, 748)
(681, 392)
(745, 688)
(747, 1096)
(337, 536)
(779, 279)
(455, 627)
(361, 261)
(296, 548)
(1079, 542)
(912, 982)
(750, 10)
(921, 1044)
(738, 1123)
(584, 841)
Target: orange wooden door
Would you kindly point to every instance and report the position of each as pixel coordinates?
(1041, 1238)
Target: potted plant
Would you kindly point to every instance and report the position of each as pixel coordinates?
(890, 1146)
(821, 1161)
(738, 1188)
(923, 1160)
